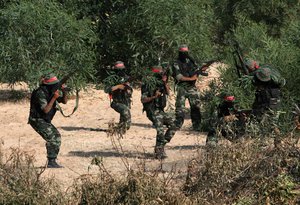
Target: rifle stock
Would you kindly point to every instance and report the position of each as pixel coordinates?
(201, 70)
(243, 113)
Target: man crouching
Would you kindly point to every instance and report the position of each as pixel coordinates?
(42, 110)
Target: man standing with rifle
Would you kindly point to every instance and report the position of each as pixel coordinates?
(118, 87)
(154, 99)
(42, 110)
(268, 83)
(185, 76)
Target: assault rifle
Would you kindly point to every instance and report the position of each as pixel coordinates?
(239, 60)
(61, 82)
(116, 76)
(245, 112)
(59, 86)
(202, 70)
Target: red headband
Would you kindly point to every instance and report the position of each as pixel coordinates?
(156, 70)
(229, 98)
(50, 80)
(118, 65)
(184, 49)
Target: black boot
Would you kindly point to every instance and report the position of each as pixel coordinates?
(53, 164)
(159, 152)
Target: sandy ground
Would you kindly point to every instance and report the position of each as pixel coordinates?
(83, 138)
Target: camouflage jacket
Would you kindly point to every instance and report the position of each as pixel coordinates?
(158, 103)
(183, 69)
(119, 96)
(40, 97)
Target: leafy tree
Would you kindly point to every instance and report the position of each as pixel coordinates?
(39, 38)
(275, 14)
(262, 30)
(141, 33)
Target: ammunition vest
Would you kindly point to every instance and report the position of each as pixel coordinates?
(268, 98)
(35, 107)
(158, 103)
(186, 69)
(122, 96)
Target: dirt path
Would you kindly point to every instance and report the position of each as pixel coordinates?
(83, 138)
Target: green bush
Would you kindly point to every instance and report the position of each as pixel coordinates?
(145, 33)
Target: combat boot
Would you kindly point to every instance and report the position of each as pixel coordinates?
(53, 164)
(159, 152)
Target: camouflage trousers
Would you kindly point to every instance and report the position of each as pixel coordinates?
(193, 95)
(159, 118)
(125, 116)
(49, 133)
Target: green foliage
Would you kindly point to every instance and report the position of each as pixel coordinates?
(142, 32)
(273, 14)
(279, 51)
(38, 38)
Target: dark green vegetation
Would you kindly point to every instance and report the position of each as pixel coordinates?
(87, 36)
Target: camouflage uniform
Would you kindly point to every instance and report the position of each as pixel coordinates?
(186, 90)
(267, 97)
(121, 99)
(155, 113)
(225, 123)
(41, 122)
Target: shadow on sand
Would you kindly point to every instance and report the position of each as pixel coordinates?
(139, 155)
(83, 128)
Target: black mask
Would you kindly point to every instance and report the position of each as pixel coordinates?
(121, 72)
(51, 88)
(182, 56)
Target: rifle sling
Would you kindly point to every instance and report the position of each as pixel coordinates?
(75, 107)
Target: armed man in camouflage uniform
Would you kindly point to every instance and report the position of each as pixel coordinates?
(42, 110)
(267, 98)
(268, 83)
(154, 99)
(228, 122)
(185, 80)
(120, 92)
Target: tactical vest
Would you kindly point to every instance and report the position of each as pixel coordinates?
(158, 103)
(122, 96)
(35, 107)
(268, 98)
(225, 109)
(186, 69)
